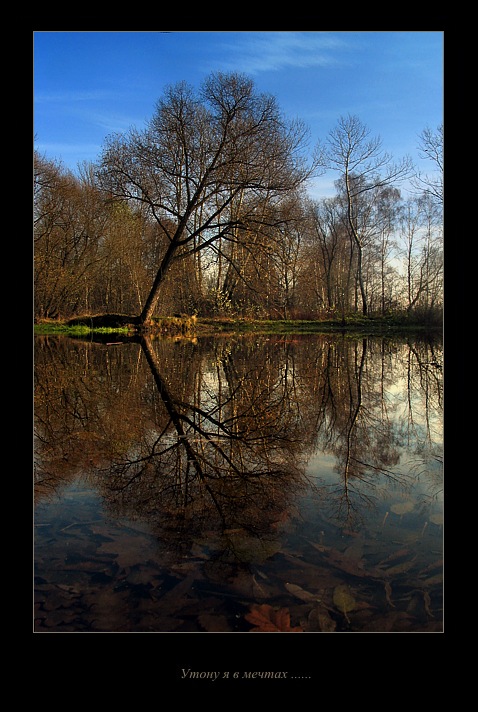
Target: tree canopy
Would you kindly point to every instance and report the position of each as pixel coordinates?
(207, 167)
(207, 211)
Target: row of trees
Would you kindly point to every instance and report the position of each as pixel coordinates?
(207, 211)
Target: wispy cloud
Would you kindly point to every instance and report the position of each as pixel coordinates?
(258, 52)
(77, 151)
(73, 96)
(104, 110)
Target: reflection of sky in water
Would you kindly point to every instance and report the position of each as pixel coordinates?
(426, 423)
(417, 476)
(420, 477)
(377, 531)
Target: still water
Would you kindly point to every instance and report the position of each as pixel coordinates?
(244, 484)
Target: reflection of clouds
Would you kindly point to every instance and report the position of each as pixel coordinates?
(321, 467)
(228, 432)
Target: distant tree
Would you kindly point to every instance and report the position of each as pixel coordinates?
(431, 148)
(421, 237)
(365, 170)
(204, 165)
(329, 253)
(68, 221)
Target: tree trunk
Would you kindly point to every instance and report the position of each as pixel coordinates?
(153, 297)
(357, 242)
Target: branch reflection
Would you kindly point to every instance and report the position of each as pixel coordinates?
(225, 452)
(219, 435)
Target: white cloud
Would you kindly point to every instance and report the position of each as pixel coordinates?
(258, 52)
(73, 96)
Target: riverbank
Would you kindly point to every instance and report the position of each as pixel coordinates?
(196, 326)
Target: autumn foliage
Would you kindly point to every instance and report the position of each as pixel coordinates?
(267, 619)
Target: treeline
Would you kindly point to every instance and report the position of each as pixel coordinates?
(207, 211)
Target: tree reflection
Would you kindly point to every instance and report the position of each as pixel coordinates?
(366, 394)
(225, 456)
(216, 435)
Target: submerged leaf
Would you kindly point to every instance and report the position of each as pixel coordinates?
(400, 568)
(344, 600)
(301, 593)
(266, 619)
(427, 602)
(258, 589)
(402, 507)
(388, 594)
(395, 556)
(250, 548)
(214, 624)
(320, 619)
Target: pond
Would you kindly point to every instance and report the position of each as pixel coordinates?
(238, 484)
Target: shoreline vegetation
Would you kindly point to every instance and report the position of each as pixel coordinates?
(192, 326)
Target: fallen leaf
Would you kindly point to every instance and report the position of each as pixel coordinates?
(320, 619)
(427, 601)
(355, 551)
(353, 565)
(395, 556)
(344, 600)
(267, 619)
(258, 589)
(319, 547)
(400, 568)
(128, 551)
(301, 593)
(434, 580)
(388, 594)
(395, 621)
(249, 548)
(436, 565)
(214, 624)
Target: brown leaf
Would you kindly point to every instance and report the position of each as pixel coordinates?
(266, 619)
(427, 602)
(438, 565)
(395, 556)
(395, 621)
(320, 620)
(214, 623)
(344, 600)
(353, 565)
(388, 594)
(301, 593)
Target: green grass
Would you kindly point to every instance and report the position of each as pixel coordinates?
(353, 324)
(356, 324)
(76, 330)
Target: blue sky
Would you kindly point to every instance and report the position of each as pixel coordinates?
(90, 84)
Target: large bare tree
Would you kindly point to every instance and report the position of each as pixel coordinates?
(204, 164)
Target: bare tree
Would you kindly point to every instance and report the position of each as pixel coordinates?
(330, 253)
(431, 148)
(68, 220)
(204, 164)
(364, 170)
(422, 256)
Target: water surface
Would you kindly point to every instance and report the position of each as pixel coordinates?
(241, 484)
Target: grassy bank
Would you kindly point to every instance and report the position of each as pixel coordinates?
(302, 326)
(192, 326)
